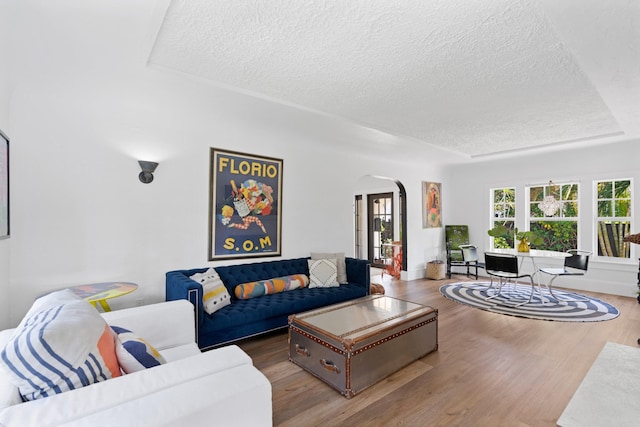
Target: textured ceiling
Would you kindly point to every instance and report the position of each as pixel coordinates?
(472, 77)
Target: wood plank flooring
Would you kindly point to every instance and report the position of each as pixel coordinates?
(489, 370)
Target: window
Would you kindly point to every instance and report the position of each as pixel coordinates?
(560, 230)
(504, 213)
(613, 217)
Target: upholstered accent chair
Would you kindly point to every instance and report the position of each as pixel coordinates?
(470, 259)
(459, 252)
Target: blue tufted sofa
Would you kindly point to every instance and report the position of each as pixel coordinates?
(244, 318)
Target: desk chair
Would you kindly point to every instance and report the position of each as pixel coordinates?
(574, 265)
(505, 267)
(470, 259)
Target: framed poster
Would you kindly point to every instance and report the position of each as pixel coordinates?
(4, 186)
(431, 204)
(245, 199)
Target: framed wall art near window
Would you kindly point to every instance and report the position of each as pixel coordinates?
(4, 186)
(431, 204)
(245, 199)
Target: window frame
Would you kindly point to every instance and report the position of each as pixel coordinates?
(558, 216)
(632, 258)
(492, 215)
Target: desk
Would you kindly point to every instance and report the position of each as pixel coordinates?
(101, 292)
(532, 255)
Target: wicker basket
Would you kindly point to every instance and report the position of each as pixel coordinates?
(436, 270)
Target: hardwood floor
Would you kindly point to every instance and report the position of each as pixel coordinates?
(489, 370)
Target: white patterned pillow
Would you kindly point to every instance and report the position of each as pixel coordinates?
(214, 293)
(134, 353)
(61, 344)
(341, 264)
(323, 273)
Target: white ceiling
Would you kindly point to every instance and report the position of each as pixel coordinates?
(473, 77)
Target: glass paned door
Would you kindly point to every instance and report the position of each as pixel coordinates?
(380, 219)
(359, 228)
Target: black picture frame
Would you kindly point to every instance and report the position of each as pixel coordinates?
(245, 199)
(5, 229)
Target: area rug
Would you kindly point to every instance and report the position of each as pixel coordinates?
(608, 394)
(475, 294)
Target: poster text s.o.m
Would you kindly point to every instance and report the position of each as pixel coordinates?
(245, 196)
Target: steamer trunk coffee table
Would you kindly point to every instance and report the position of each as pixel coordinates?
(355, 344)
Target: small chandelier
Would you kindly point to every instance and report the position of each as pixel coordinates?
(549, 205)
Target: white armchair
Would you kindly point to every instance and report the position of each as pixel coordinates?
(219, 387)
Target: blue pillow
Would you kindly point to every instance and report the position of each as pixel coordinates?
(134, 353)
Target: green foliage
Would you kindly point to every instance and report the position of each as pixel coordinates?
(502, 232)
(614, 198)
(557, 235)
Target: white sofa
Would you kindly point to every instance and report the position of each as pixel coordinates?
(220, 387)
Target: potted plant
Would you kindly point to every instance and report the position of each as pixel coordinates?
(524, 238)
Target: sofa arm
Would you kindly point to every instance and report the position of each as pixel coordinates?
(164, 325)
(359, 272)
(176, 393)
(178, 286)
(239, 396)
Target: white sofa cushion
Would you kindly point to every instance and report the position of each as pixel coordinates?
(165, 325)
(180, 352)
(239, 396)
(169, 326)
(137, 391)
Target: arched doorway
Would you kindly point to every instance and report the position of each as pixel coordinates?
(370, 188)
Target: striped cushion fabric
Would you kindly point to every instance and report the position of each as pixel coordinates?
(134, 353)
(61, 344)
(214, 293)
(271, 286)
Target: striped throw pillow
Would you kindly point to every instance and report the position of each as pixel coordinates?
(61, 344)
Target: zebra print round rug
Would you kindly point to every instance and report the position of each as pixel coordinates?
(569, 306)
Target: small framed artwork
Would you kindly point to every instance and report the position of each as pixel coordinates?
(431, 204)
(4, 186)
(245, 199)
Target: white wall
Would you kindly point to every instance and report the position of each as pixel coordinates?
(85, 107)
(85, 217)
(4, 126)
(471, 186)
(80, 215)
(375, 185)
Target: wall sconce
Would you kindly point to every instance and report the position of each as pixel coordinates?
(146, 176)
